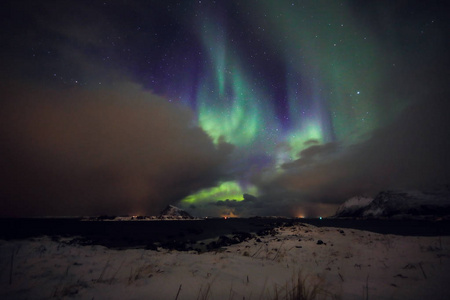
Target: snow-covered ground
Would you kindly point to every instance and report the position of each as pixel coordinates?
(342, 263)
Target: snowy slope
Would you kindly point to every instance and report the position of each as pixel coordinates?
(352, 206)
(433, 204)
(342, 264)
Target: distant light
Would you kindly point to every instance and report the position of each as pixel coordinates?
(320, 218)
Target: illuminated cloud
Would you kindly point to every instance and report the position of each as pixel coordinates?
(117, 151)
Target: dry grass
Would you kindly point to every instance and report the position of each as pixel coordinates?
(302, 288)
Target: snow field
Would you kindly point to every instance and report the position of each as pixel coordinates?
(341, 263)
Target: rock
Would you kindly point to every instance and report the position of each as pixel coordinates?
(242, 236)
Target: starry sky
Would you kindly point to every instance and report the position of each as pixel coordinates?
(235, 108)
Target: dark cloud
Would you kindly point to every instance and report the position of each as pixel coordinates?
(111, 151)
(235, 203)
(409, 153)
(312, 155)
(311, 142)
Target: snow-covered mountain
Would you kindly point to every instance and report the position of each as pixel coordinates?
(174, 213)
(433, 204)
(169, 213)
(353, 206)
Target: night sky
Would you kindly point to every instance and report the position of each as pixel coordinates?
(123, 107)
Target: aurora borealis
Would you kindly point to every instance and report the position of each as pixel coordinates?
(302, 104)
(320, 70)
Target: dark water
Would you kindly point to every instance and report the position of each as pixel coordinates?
(141, 233)
(131, 233)
(398, 227)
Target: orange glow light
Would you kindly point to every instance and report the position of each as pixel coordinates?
(229, 215)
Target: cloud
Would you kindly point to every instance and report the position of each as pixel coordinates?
(409, 153)
(119, 150)
(234, 203)
(312, 155)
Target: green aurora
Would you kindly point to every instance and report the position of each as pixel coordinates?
(332, 71)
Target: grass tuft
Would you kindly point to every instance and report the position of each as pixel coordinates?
(302, 288)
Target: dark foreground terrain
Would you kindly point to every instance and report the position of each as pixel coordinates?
(176, 234)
